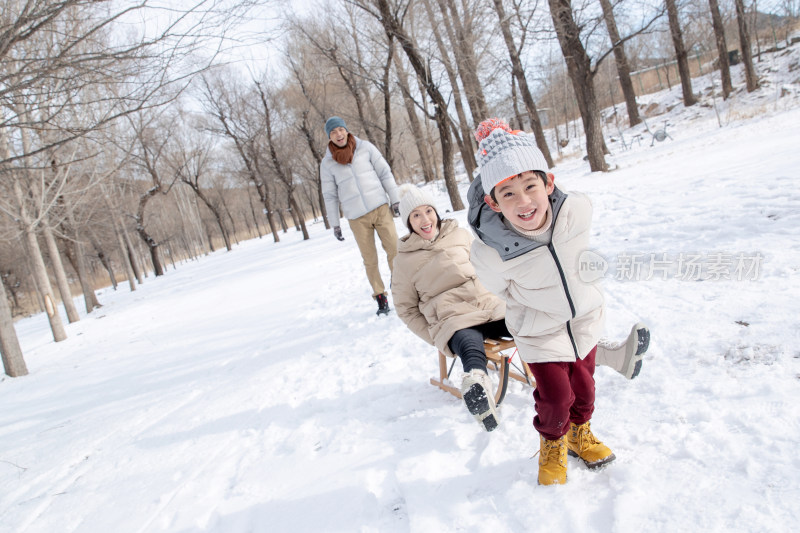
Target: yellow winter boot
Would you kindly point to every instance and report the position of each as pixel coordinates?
(552, 461)
(582, 443)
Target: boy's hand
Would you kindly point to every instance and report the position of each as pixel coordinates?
(396, 209)
(337, 232)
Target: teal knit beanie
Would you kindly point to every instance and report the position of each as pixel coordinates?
(333, 123)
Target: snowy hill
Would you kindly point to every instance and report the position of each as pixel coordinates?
(256, 390)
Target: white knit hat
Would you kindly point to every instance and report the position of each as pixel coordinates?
(411, 197)
(503, 154)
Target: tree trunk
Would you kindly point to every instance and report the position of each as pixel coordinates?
(43, 282)
(424, 102)
(387, 106)
(255, 217)
(249, 156)
(189, 235)
(520, 125)
(126, 260)
(209, 236)
(13, 362)
(287, 177)
(465, 142)
(356, 94)
(133, 256)
(104, 259)
(623, 70)
(127, 252)
(149, 241)
(681, 54)
(298, 214)
(428, 172)
(392, 26)
(295, 221)
(268, 211)
(266, 198)
(232, 233)
(214, 211)
(318, 179)
(74, 252)
(744, 43)
(60, 274)
(462, 43)
(282, 219)
(582, 77)
(722, 49)
(309, 198)
(34, 253)
(522, 83)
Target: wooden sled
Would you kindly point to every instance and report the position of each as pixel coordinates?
(498, 360)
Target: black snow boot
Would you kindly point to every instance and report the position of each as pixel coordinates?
(383, 304)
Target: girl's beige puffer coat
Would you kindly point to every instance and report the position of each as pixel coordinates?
(435, 289)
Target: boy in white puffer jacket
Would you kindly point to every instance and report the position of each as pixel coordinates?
(530, 235)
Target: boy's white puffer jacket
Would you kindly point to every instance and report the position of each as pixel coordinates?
(361, 186)
(434, 287)
(552, 317)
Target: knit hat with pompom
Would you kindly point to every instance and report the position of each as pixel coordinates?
(411, 197)
(503, 153)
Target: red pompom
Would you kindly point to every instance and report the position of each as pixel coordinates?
(487, 126)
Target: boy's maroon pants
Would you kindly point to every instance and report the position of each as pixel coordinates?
(564, 393)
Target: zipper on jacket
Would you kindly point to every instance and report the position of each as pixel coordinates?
(552, 250)
(355, 177)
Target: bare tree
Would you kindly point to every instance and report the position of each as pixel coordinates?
(153, 138)
(58, 270)
(308, 104)
(519, 75)
(425, 158)
(305, 129)
(722, 48)
(225, 104)
(621, 60)
(126, 249)
(13, 361)
(191, 166)
(22, 186)
(464, 140)
(681, 55)
(73, 249)
(67, 72)
(286, 177)
(391, 19)
(459, 30)
(344, 57)
(581, 73)
(67, 47)
(750, 76)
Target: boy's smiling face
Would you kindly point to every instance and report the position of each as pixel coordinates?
(523, 200)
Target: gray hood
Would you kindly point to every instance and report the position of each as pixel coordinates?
(490, 228)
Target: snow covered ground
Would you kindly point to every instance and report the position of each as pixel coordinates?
(256, 390)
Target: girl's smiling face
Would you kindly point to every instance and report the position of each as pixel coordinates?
(424, 222)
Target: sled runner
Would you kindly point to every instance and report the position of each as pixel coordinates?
(498, 359)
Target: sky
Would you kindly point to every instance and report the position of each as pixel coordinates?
(256, 390)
